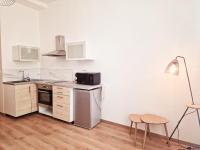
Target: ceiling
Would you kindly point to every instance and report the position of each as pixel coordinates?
(35, 4)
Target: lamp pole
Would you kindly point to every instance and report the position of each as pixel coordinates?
(191, 94)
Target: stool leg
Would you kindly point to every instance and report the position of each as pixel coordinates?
(131, 127)
(148, 127)
(135, 134)
(167, 136)
(145, 135)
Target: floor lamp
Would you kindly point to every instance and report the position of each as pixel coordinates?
(173, 68)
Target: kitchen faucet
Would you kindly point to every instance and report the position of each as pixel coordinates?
(23, 76)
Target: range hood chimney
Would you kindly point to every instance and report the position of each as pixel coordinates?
(60, 48)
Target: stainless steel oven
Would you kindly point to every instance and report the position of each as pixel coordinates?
(45, 94)
(45, 99)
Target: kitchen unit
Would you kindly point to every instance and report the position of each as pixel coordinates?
(55, 101)
(20, 99)
(63, 103)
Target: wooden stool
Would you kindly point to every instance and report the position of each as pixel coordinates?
(136, 119)
(156, 120)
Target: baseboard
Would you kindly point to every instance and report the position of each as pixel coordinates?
(154, 134)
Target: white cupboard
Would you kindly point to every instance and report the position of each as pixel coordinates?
(24, 53)
(77, 51)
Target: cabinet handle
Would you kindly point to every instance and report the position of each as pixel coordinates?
(59, 92)
(59, 97)
(59, 105)
(31, 99)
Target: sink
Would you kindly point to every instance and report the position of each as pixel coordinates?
(19, 81)
(16, 82)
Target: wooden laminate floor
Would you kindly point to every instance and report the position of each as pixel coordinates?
(38, 132)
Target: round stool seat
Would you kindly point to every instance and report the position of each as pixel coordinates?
(135, 118)
(153, 119)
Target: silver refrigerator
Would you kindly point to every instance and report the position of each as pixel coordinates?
(87, 109)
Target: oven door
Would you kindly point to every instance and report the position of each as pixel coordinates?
(45, 97)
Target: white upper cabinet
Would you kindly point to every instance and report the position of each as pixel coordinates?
(76, 51)
(24, 53)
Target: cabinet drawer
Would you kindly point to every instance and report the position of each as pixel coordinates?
(61, 90)
(61, 109)
(61, 99)
(64, 117)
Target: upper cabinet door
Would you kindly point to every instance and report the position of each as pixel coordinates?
(23, 53)
(29, 54)
(76, 51)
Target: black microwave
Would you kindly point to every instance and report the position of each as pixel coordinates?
(88, 78)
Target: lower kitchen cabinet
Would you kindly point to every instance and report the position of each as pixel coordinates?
(63, 103)
(20, 99)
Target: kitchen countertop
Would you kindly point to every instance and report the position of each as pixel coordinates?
(68, 84)
(77, 86)
(19, 82)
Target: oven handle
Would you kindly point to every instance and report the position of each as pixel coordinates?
(45, 92)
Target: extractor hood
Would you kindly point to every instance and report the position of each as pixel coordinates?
(60, 48)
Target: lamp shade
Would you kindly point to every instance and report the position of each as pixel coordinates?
(173, 67)
(7, 2)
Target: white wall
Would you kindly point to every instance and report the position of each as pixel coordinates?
(19, 25)
(133, 41)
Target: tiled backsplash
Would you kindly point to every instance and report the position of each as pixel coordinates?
(39, 73)
(16, 74)
(57, 74)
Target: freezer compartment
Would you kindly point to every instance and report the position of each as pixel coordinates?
(87, 108)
